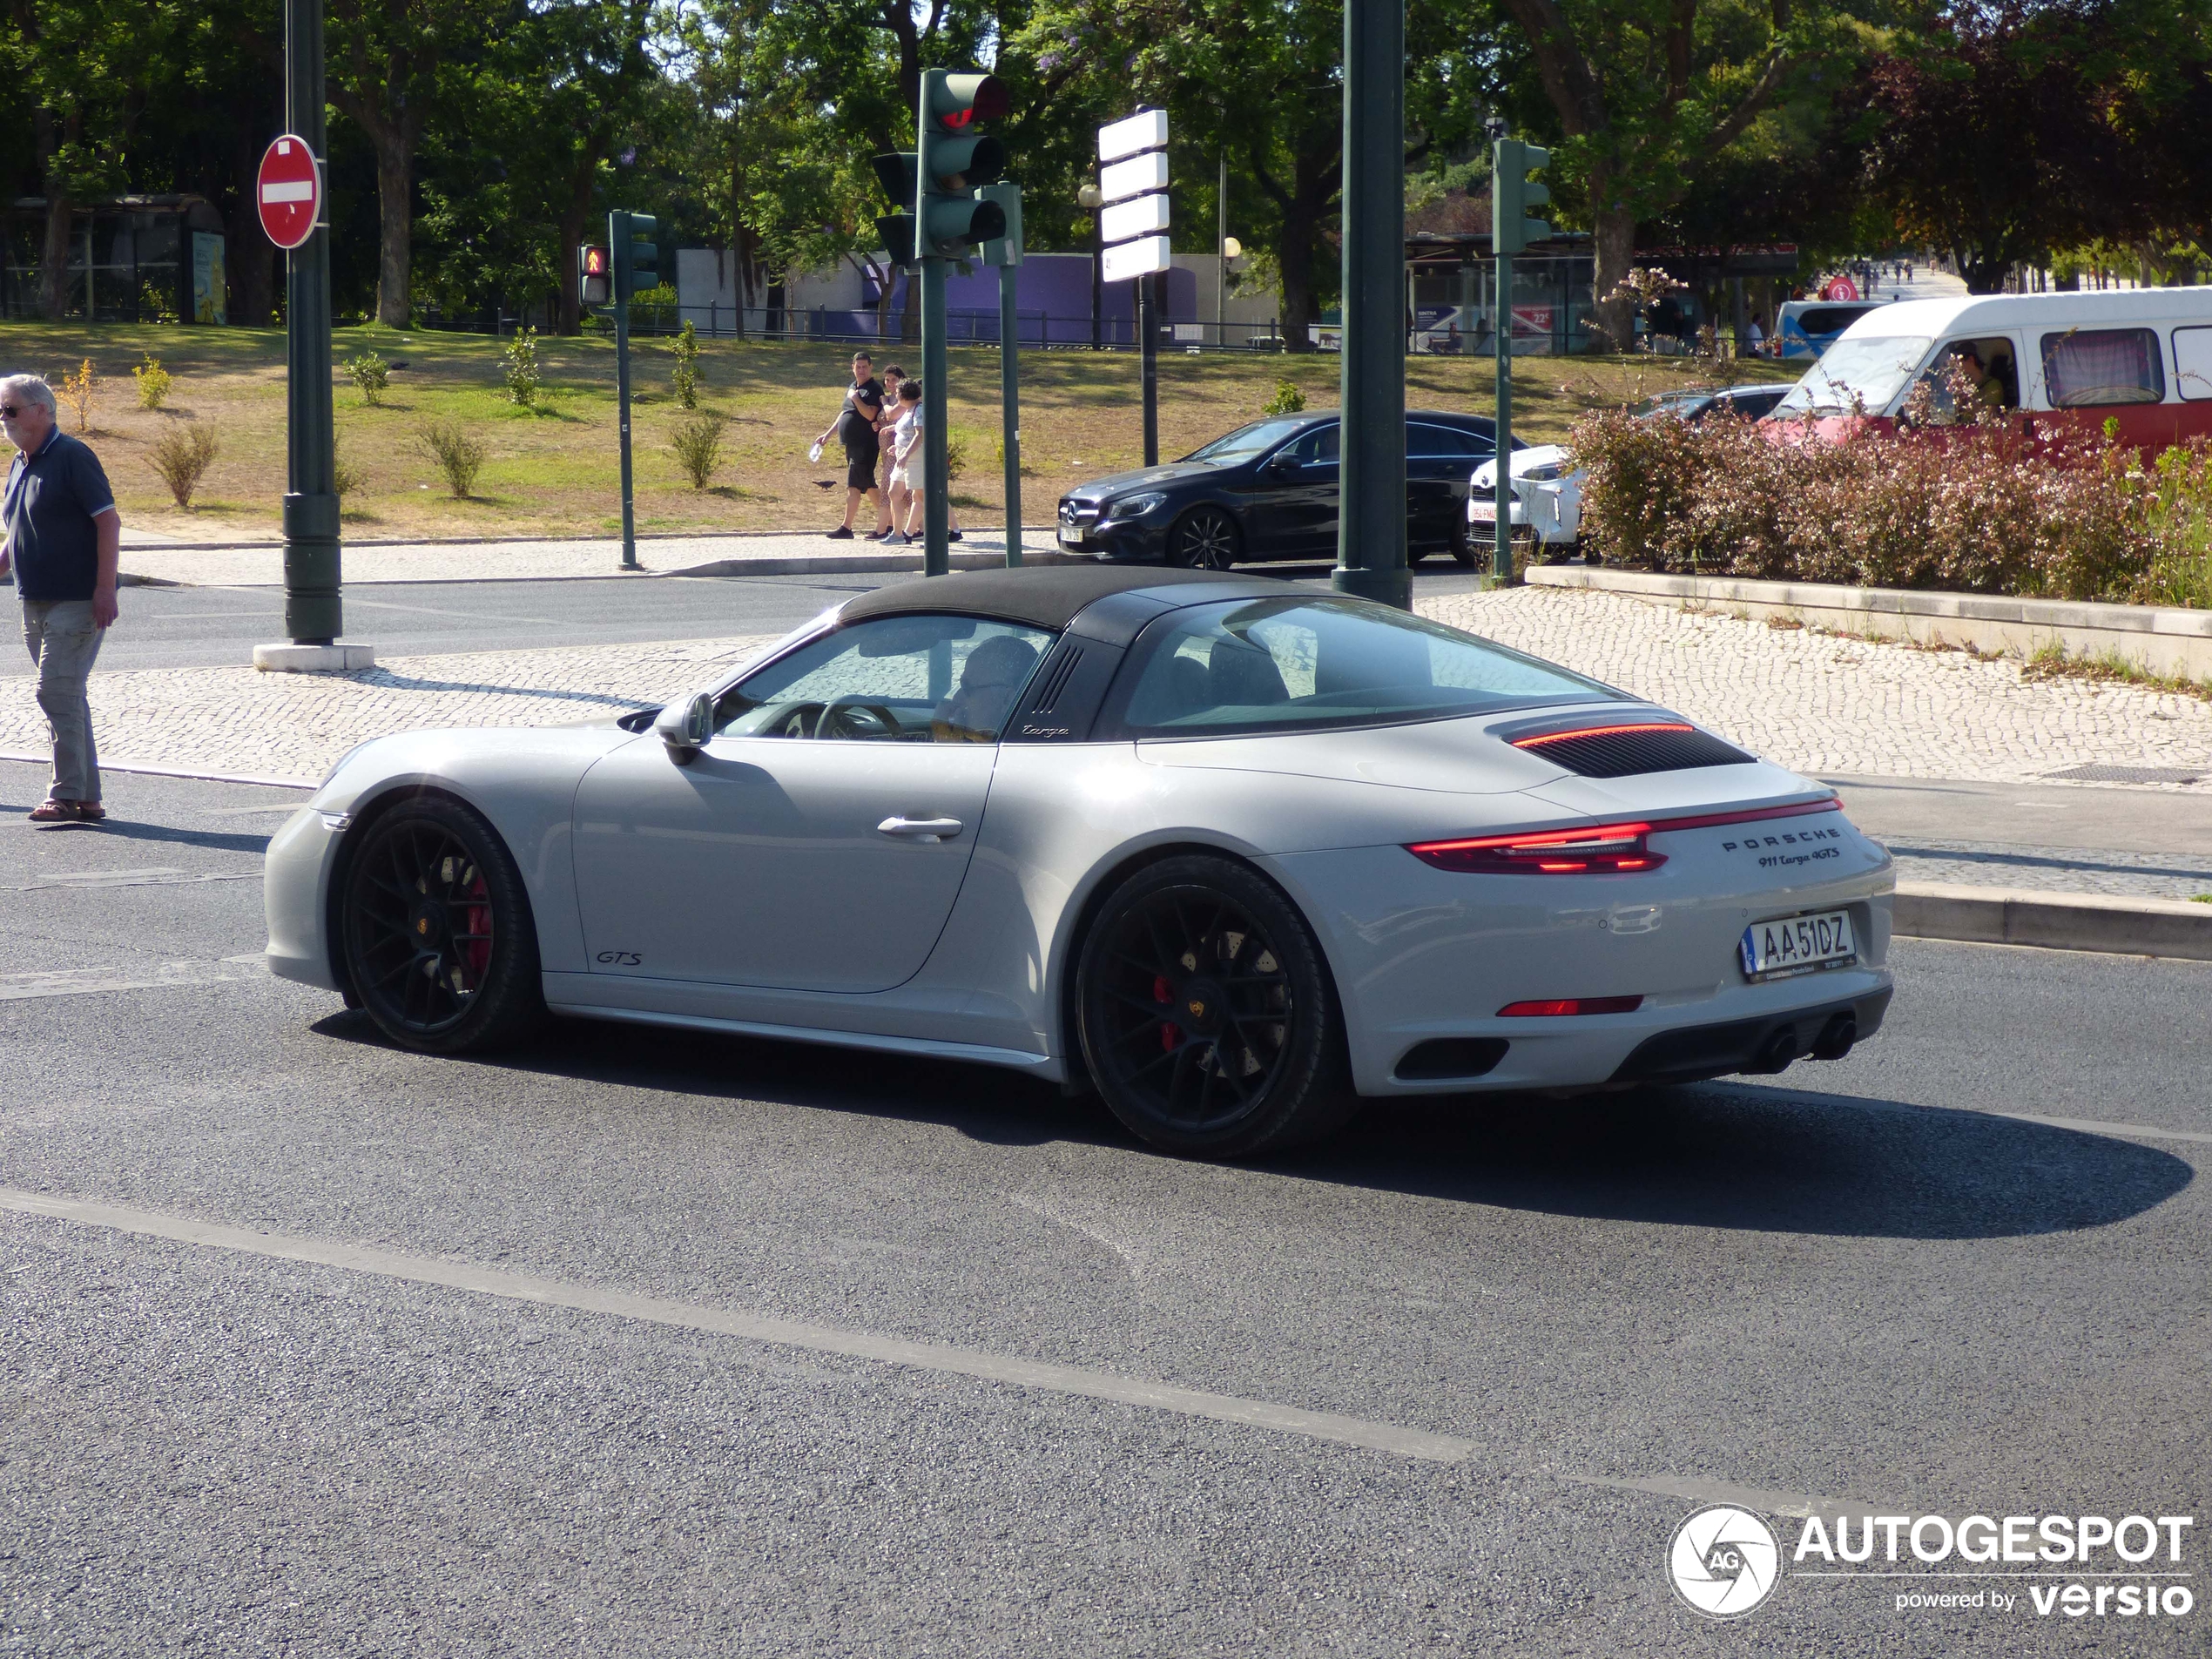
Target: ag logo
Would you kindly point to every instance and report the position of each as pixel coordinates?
(1724, 1562)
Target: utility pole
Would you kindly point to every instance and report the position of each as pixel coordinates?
(1148, 325)
(1370, 517)
(313, 607)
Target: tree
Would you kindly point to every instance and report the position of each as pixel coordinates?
(1648, 92)
(382, 61)
(2014, 130)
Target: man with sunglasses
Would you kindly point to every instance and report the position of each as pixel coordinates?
(63, 537)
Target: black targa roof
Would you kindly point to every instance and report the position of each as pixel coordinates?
(1042, 596)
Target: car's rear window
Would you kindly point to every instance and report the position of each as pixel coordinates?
(1305, 661)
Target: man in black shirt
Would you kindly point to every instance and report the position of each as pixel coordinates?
(63, 536)
(855, 431)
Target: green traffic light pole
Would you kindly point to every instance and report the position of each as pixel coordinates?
(1501, 551)
(619, 223)
(1006, 253)
(936, 515)
(313, 611)
(1371, 523)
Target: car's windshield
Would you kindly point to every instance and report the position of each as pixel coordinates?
(1245, 442)
(1282, 665)
(1857, 376)
(1667, 402)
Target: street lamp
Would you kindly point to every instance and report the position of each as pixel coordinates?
(1089, 199)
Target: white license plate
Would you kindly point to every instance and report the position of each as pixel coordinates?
(1798, 945)
(1483, 512)
(1070, 536)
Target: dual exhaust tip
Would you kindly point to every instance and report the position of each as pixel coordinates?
(1783, 1045)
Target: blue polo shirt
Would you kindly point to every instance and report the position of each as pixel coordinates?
(52, 498)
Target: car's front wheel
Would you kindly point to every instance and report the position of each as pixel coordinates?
(1207, 1017)
(1204, 539)
(436, 930)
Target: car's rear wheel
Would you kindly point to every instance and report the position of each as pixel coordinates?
(1207, 1017)
(436, 930)
(1204, 539)
(1463, 540)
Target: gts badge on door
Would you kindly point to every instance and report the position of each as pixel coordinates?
(620, 959)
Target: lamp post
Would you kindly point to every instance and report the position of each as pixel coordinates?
(1088, 197)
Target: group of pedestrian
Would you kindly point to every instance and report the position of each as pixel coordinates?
(879, 427)
(63, 539)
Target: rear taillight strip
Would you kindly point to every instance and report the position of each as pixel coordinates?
(1543, 737)
(1594, 849)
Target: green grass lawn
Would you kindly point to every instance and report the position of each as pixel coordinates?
(552, 469)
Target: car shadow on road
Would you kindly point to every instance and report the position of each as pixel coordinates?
(1756, 1157)
(982, 1102)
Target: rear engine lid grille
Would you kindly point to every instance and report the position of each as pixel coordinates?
(1624, 749)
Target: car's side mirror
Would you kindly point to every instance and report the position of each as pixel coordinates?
(686, 726)
(1283, 464)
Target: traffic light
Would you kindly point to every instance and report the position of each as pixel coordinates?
(1512, 195)
(953, 159)
(629, 241)
(592, 271)
(897, 172)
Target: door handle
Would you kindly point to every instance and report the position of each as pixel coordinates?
(920, 829)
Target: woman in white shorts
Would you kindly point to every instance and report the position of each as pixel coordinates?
(907, 473)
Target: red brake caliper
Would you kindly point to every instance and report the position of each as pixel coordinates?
(477, 951)
(1164, 993)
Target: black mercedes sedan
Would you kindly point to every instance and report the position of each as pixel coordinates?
(1269, 492)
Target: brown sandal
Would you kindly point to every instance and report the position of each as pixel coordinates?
(54, 812)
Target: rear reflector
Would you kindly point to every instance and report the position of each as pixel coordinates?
(1571, 1005)
(1598, 849)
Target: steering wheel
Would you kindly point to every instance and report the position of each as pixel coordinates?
(798, 721)
(838, 720)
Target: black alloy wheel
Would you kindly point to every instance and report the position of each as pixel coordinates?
(1204, 539)
(1463, 540)
(1207, 1018)
(437, 934)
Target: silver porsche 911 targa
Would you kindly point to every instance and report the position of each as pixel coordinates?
(1233, 853)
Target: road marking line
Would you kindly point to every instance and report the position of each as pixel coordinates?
(1799, 1504)
(791, 1333)
(84, 880)
(84, 981)
(2097, 1126)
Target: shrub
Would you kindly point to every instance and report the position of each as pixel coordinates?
(1288, 400)
(156, 305)
(519, 361)
(345, 477)
(182, 457)
(80, 389)
(153, 383)
(686, 352)
(460, 455)
(697, 444)
(370, 375)
(957, 441)
(1969, 503)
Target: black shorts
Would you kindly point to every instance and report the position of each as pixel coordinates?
(860, 469)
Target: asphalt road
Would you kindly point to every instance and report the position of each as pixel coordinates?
(211, 627)
(1544, 1333)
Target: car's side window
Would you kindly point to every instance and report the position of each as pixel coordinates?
(2089, 367)
(1427, 442)
(916, 680)
(1317, 447)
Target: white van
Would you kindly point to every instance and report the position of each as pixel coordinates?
(2142, 356)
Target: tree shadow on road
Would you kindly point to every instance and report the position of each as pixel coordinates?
(1732, 1156)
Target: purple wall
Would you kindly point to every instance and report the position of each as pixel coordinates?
(1052, 297)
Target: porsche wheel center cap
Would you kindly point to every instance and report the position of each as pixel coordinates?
(1198, 1006)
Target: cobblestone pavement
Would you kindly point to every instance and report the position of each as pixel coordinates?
(263, 566)
(1812, 702)
(1820, 702)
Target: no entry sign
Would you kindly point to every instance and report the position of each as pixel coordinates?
(289, 191)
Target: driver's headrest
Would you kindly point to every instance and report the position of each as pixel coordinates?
(1000, 660)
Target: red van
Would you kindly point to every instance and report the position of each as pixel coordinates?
(2143, 355)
